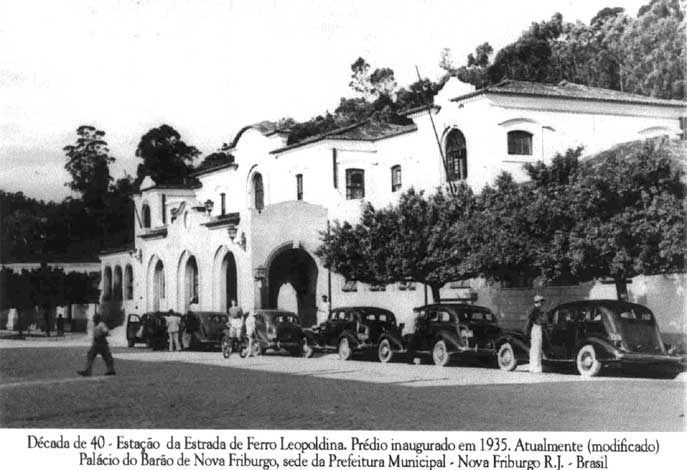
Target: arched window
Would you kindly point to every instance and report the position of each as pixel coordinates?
(128, 282)
(355, 183)
(145, 214)
(107, 283)
(258, 192)
(519, 143)
(117, 284)
(456, 156)
(192, 280)
(159, 280)
(395, 178)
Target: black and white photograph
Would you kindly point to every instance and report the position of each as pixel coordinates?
(342, 216)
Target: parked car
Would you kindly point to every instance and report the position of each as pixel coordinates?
(149, 328)
(350, 330)
(203, 330)
(597, 333)
(446, 330)
(278, 330)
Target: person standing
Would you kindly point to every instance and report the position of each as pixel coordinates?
(173, 331)
(99, 346)
(250, 332)
(535, 322)
(323, 310)
(235, 320)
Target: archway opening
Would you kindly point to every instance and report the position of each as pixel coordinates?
(158, 285)
(296, 267)
(190, 284)
(228, 285)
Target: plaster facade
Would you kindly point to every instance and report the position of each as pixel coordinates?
(250, 229)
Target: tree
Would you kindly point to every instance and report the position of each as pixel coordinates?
(166, 157)
(421, 239)
(87, 163)
(223, 155)
(373, 84)
(629, 214)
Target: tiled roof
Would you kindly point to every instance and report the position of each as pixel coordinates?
(675, 149)
(369, 130)
(567, 90)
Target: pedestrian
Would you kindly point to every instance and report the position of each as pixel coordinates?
(99, 346)
(250, 331)
(235, 321)
(60, 325)
(535, 322)
(172, 322)
(323, 310)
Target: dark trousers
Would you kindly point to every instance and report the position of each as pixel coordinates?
(104, 351)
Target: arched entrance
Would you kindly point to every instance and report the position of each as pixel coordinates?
(187, 282)
(158, 285)
(296, 267)
(226, 279)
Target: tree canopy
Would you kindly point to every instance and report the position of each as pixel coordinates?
(166, 157)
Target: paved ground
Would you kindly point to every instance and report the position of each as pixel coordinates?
(39, 388)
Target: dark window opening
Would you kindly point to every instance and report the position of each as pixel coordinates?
(335, 169)
(355, 183)
(299, 187)
(456, 156)
(519, 143)
(396, 182)
(259, 192)
(223, 203)
(164, 209)
(145, 213)
(129, 282)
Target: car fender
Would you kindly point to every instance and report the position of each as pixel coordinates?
(603, 348)
(395, 342)
(450, 339)
(352, 340)
(517, 341)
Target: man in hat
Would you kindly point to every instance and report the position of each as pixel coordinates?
(99, 346)
(173, 322)
(535, 322)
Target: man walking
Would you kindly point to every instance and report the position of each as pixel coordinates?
(99, 346)
(173, 330)
(535, 321)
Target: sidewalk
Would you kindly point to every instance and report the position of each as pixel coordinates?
(11, 339)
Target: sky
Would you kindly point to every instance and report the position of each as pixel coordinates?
(208, 68)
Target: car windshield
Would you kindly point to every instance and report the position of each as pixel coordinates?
(218, 318)
(285, 318)
(636, 326)
(481, 316)
(378, 315)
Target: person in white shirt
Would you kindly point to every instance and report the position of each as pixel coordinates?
(99, 346)
(323, 310)
(173, 322)
(250, 331)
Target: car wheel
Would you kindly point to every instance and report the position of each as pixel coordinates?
(307, 350)
(587, 363)
(345, 351)
(385, 353)
(506, 357)
(440, 354)
(131, 343)
(226, 348)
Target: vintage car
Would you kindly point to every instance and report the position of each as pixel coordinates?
(278, 330)
(203, 330)
(447, 330)
(149, 328)
(350, 330)
(597, 333)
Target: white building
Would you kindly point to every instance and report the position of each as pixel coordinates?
(249, 229)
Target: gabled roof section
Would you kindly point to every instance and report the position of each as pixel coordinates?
(266, 128)
(149, 184)
(571, 91)
(369, 130)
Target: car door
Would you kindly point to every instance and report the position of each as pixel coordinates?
(422, 329)
(133, 323)
(559, 330)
